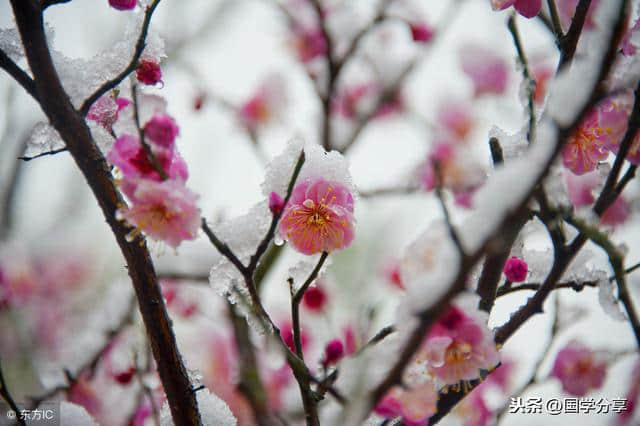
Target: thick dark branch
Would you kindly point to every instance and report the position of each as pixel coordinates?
(18, 75)
(43, 154)
(295, 303)
(46, 3)
(133, 64)
(569, 42)
(6, 395)
(75, 133)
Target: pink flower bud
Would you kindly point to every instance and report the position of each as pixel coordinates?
(149, 72)
(124, 377)
(162, 130)
(515, 270)
(421, 32)
(123, 4)
(315, 299)
(333, 352)
(276, 203)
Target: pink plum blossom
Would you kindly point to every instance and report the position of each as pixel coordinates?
(350, 99)
(457, 347)
(580, 188)
(488, 71)
(276, 203)
(579, 369)
(542, 73)
(415, 405)
(457, 171)
(585, 147)
(617, 213)
(265, 105)
(526, 8)
(456, 118)
(421, 32)
(393, 275)
(515, 269)
(123, 4)
(104, 111)
(129, 156)
(162, 130)
(613, 116)
(165, 211)
(149, 72)
(333, 352)
(309, 43)
(319, 217)
(315, 298)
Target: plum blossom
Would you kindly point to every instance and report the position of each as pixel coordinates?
(526, 8)
(123, 4)
(579, 369)
(319, 217)
(415, 405)
(421, 32)
(458, 347)
(276, 203)
(315, 298)
(105, 110)
(456, 170)
(162, 130)
(349, 100)
(130, 157)
(333, 352)
(617, 213)
(586, 146)
(515, 269)
(149, 72)
(488, 71)
(165, 211)
(309, 43)
(265, 105)
(456, 118)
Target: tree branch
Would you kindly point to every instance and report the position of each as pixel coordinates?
(133, 64)
(297, 298)
(18, 75)
(569, 42)
(74, 132)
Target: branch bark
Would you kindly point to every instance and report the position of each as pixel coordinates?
(72, 128)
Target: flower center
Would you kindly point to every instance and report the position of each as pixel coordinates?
(457, 352)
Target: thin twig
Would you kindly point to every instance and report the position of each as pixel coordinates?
(133, 64)
(43, 154)
(569, 41)
(295, 304)
(18, 74)
(556, 25)
(46, 3)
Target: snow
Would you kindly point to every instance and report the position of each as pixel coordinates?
(332, 166)
(148, 106)
(213, 411)
(428, 268)
(43, 138)
(82, 77)
(301, 270)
